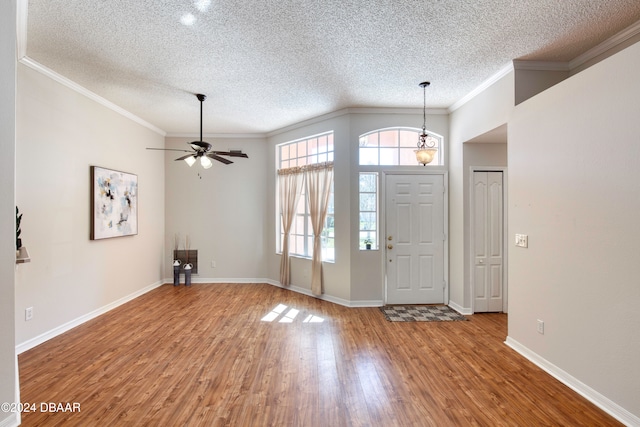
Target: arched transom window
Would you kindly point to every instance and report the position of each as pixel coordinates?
(395, 146)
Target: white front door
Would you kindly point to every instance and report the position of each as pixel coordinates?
(488, 241)
(414, 243)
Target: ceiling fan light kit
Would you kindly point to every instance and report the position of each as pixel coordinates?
(202, 150)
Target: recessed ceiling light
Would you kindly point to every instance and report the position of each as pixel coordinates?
(202, 5)
(187, 19)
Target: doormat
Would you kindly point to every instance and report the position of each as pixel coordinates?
(420, 313)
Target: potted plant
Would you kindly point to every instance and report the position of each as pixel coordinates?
(367, 243)
(22, 255)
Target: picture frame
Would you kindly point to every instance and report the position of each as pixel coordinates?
(114, 203)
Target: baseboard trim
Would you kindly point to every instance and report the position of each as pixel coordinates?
(307, 292)
(298, 289)
(366, 303)
(13, 420)
(460, 309)
(328, 298)
(29, 344)
(205, 280)
(601, 401)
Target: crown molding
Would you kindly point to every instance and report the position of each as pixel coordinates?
(218, 135)
(593, 53)
(22, 14)
(86, 92)
(519, 64)
(607, 45)
(482, 87)
(308, 122)
(22, 7)
(387, 110)
(356, 110)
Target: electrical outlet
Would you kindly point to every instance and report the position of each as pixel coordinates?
(28, 313)
(522, 240)
(213, 264)
(540, 327)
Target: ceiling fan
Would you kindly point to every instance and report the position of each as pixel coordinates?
(202, 150)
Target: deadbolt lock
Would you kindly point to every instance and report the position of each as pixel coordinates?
(390, 238)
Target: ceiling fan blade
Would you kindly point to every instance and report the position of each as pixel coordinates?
(218, 158)
(238, 153)
(168, 149)
(185, 157)
(231, 153)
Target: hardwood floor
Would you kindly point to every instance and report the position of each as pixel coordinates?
(202, 356)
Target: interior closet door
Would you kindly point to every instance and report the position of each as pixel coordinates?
(488, 247)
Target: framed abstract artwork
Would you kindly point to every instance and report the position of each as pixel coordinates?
(114, 203)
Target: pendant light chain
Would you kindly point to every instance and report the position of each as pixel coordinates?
(426, 151)
(424, 109)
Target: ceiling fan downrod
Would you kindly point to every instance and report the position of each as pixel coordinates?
(201, 98)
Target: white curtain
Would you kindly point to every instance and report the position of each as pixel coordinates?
(318, 179)
(289, 186)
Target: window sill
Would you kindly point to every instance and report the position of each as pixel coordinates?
(307, 257)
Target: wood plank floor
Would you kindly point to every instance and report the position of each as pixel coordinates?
(202, 356)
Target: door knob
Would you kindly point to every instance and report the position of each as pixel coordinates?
(389, 246)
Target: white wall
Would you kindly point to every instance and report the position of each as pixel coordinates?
(487, 111)
(530, 82)
(221, 209)
(574, 188)
(8, 368)
(60, 133)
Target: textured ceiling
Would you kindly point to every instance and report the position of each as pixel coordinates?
(271, 63)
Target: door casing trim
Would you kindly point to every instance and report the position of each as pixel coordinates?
(505, 235)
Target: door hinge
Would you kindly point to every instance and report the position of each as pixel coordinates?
(444, 237)
(444, 284)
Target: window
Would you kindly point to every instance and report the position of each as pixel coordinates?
(307, 151)
(385, 147)
(395, 146)
(368, 210)
(316, 149)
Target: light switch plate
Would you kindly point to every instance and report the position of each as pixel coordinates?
(522, 240)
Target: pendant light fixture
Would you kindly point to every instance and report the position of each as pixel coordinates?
(426, 145)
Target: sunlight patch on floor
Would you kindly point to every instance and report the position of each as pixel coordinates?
(313, 319)
(288, 316)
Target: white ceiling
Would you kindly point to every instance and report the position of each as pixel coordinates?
(267, 64)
